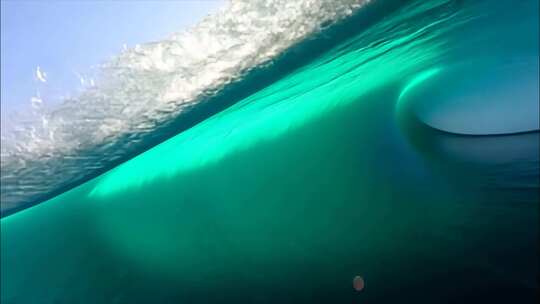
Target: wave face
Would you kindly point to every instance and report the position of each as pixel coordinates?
(145, 88)
(325, 173)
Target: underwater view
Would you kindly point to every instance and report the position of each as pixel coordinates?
(307, 151)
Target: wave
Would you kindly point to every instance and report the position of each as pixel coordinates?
(323, 167)
(484, 100)
(146, 89)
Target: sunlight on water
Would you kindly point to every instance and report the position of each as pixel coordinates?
(323, 174)
(344, 77)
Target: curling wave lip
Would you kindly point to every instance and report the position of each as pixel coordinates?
(476, 98)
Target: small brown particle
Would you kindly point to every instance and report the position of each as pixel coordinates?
(358, 283)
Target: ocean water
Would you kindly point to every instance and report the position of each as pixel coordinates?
(399, 144)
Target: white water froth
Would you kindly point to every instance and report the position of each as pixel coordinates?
(148, 85)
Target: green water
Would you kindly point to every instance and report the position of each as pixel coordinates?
(321, 176)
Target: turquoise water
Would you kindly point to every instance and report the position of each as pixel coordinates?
(398, 150)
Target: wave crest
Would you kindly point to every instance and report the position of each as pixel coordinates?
(147, 86)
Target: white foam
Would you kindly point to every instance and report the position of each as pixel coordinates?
(41, 75)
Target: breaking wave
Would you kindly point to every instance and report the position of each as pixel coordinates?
(148, 88)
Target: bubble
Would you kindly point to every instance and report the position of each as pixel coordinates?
(358, 283)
